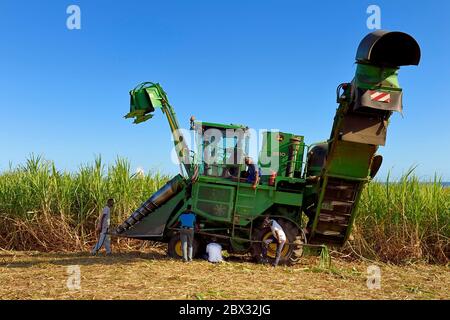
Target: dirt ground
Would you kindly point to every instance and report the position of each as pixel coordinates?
(151, 275)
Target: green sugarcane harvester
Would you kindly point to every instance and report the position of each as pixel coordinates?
(322, 182)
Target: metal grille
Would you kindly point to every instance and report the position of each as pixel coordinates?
(215, 209)
(214, 194)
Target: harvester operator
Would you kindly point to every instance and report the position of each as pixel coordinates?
(252, 173)
(278, 236)
(187, 224)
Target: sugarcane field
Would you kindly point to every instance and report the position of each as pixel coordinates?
(206, 152)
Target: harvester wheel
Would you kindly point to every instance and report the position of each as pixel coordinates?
(297, 253)
(174, 247)
(262, 233)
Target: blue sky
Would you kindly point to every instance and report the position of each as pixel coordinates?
(266, 64)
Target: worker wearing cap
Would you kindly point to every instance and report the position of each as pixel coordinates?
(102, 229)
(187, 224)
(252, 172)
(278, 236)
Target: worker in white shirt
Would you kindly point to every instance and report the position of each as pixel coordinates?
(214, 251)
(278, 236)
(103, 228)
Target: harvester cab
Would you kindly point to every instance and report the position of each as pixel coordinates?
(324, 181)
(220, 148)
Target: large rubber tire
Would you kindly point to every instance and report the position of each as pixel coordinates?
(261, 233)
(174, 247)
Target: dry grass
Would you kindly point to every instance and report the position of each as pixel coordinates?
(148, 274)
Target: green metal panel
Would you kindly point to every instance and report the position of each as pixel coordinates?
(213, 201)
(246, 204)
(281, 151)
(252, 203)
(350, 159)
(371, 77)
(287, 198)
(154, 96)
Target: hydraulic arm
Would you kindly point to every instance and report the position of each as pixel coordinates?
(147, 97)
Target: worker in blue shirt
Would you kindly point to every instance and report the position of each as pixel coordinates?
(252, 172)
(187, 223)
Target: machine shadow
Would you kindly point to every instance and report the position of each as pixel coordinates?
(86, 259)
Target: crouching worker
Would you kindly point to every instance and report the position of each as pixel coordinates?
(187, 224)
(103, 228)
(278, 236)
(214, 251)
